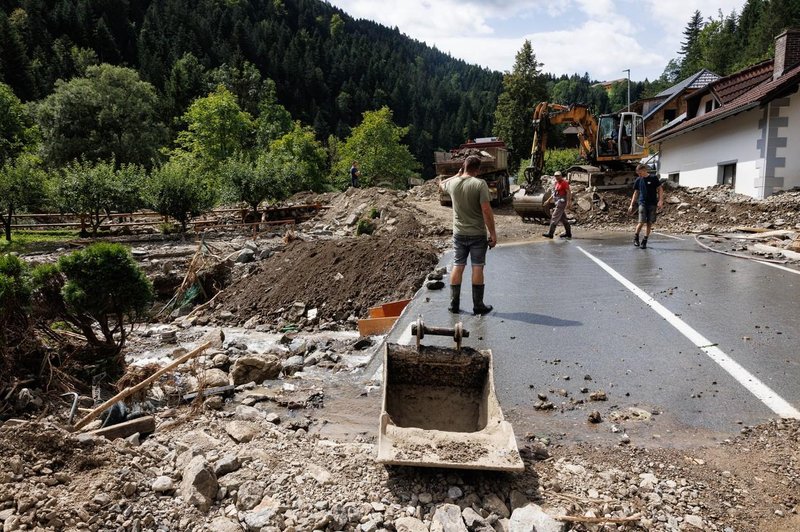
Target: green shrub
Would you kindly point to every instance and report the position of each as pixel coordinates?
(103, 287)
(365, 227)
(374, 213)
(15, 291)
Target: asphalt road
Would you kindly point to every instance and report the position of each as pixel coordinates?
(706, 342)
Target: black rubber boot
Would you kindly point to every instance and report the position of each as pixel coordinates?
(478, 307)
(567, 231)
(549, 233)
(455, 298)
(636, 240)
(644, 243)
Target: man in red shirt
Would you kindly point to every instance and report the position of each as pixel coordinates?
(562, 198)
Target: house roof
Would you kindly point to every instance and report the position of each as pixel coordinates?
(699, 79)
(731, 87)
(759, 94)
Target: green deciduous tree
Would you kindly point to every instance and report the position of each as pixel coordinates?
(217, 128)
(376, 144)
(109, 113)
(97, 189)
(523, 88)
(180, 190)
(254, 181)
(300, 160)
(17, 129)
(22, 186)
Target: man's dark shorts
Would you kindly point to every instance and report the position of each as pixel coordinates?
(647, 213)
(473, 246)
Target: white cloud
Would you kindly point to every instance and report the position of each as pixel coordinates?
(603, 9)
(422, 19)
(601, 37)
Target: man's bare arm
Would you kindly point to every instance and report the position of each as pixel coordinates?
(442, 182)
(488, 219)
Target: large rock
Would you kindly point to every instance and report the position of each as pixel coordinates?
(494, 504)
(213, 378)
(163, 485)
(447, 518)
(199, 485)
(255, 368)
(242, 431)
(223, 524)
(263, 515)
(409, 524)
(532, 518)
(249, 495)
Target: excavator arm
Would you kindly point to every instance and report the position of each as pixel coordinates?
(552, 113)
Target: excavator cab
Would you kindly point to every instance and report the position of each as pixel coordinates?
(621, 137)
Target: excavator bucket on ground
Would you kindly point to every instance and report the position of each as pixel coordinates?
(440, 408)
(532, 206)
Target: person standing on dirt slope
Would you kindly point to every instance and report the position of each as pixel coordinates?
(355, 173)
(648, 190)
(562, 197)
(472, 216)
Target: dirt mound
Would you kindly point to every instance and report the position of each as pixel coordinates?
(339, 278)
(390, 212)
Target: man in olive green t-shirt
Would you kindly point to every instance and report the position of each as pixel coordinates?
(472, 216)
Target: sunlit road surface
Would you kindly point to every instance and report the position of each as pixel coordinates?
(688, 345)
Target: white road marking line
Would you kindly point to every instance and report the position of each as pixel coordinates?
(668, 236)
(779, 267)
(763, 392)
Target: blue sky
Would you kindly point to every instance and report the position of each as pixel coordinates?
(601, 37)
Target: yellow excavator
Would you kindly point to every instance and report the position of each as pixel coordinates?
(613, 144)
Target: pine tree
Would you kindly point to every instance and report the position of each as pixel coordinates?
(690, 47)
(523, 88)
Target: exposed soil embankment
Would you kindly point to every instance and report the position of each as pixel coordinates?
(339, 278)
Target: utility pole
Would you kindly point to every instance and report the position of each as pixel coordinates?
(628, 70)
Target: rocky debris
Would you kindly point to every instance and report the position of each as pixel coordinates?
(692, 210)
(194, 476)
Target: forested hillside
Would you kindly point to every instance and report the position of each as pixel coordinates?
(327, 67)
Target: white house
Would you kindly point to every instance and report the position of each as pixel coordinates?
(742, 130)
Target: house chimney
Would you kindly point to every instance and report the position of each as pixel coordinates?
(787, 52)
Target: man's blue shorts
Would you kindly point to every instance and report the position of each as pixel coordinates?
(473, 246)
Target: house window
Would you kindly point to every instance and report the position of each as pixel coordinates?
(669, 115)
(709, 106)
(674, 177)
(726, 173)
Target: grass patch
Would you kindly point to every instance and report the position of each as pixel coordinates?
(22, 241)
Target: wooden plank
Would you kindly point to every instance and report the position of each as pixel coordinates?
(142, 425)
(376, 312)
(395, 308)
(372, 326)
(145, 383)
